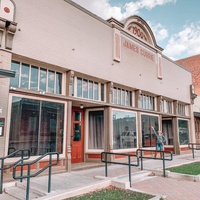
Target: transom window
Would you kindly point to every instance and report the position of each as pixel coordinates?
(89, 89)
(181, 109)
(166, 106)
(146, 102)
(122, 97)
(36, 78)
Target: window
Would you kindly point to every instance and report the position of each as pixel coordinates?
(146, 102)
(89, 89)
(181, 109)
(96, 130)
(124, 130)
(36, 78)
(183, 132)
(169, 107)
(36, 125)
(148, 137)
(168, 131)
(166, 106)
(122, 97)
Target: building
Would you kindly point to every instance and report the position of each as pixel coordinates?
(84, 85)
(193, 64)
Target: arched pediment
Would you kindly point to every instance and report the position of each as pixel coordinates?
(137, 27)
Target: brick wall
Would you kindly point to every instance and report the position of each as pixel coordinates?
(193, 64)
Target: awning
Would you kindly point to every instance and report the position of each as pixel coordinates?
(197, 114)
(7, 73)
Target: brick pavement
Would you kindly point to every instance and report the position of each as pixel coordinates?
(172, 188)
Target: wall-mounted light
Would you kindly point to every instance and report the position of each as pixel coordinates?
(81, 106)
(12, 88)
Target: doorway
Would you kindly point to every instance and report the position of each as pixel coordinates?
(148, 137)
(168, 131)
(77, 136)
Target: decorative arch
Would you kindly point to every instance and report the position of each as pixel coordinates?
(137, 27)
(7, 10)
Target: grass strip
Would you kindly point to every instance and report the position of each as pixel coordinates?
(113, 193)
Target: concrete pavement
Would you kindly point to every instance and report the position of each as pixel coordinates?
(150, 180)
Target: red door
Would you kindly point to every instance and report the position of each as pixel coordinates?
(77, 136)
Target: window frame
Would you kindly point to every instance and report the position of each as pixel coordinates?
(87, 150)
(40, 69)
(63, 154)
(94, 89)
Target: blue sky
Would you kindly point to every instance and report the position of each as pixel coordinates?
(175, 23)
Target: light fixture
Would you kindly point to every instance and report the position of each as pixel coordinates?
(81, 106)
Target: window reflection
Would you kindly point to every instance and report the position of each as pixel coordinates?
(183, 132)
(36, 125)
(24, 76)
(124, 130)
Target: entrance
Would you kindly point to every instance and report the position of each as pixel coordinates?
(77, 136)
(148, 137)
(168, 131)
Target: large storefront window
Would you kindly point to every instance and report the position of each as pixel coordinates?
(36, 125)
(96, 130)
(183, 132)
(148, 137)
(124, 130)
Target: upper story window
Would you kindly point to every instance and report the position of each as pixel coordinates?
(166, 106)
(88, 89)
(169, 107)
(36, 78)
(181, 109)
(122, 97)
(146, 102)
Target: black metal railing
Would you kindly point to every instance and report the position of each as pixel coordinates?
(140, 153)
(104, 159)
(29, 175)
(24, 154)
(194, 146)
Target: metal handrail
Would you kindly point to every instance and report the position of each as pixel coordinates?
(29, 175)
(104, 159)
(163, 158)
(24, 156)
(194, 146)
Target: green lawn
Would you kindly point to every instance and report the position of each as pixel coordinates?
(191, 169)
(113, 193)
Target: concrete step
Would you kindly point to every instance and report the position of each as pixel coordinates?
(5, 196)
(138, 176)
(19, 192)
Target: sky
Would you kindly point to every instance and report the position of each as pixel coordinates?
(175, 23)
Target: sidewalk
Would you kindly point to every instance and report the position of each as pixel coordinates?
(65, 185)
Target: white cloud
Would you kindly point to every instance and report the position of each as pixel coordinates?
(159, 31)
(185, 42)
(104, 9)
(133, 8)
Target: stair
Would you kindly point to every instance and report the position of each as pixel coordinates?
(18, 192)
(138, 176)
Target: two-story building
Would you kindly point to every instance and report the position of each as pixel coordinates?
(84, 85)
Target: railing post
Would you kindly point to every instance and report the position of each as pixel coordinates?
(1, 184)
(163, 157)
(193, 150)
(21, 173)
(28, 184)
(49, 179)
(129, 168)
(106, 165)
(141, 159)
